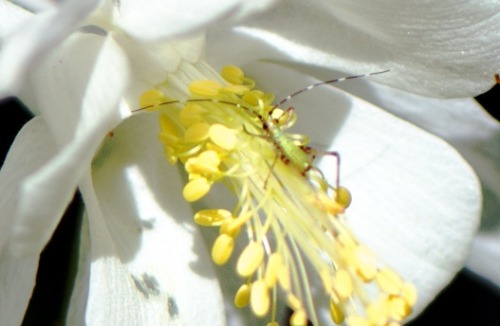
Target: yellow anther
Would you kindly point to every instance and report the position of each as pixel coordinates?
(208, 88)
(222, 249)
(211, 217)
(250, 259)
(168, 127)
(242, 297)
(254, 97)
(233, 74)
(274, 264)
(347, 241)
(260, 299)
(343, 284)
(398, 308)
(337, 312)
(206, 162)
(151, 97)
(222, 136)
(409, 293)
(235, 89)
(377, 313)
(299, 318)
(273, 323)
(196, 189)
(327, 204)
(357, 321)
(389, 281)
(168, 139)
(343, 197)
(197, 132)
(284, 278)
(170, 154)
(365, 264)
(191, 114)
(327, 280)
(293, 302)
(232, 227)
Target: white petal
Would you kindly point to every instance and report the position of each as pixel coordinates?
(17, 279)
(25, 46)
(79, 107)
(32, 148)
(416, 201)
(442, 49)
(153, 19)
(476, 135)
(149, 265)
(152, 61)
(36, 5)
(11, 17)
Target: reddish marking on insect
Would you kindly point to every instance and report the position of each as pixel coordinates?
(497, 78)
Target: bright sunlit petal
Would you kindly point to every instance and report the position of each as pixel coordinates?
(442, 50)
(141, 234)
(45, 194)
(23, 48)
(155, 19)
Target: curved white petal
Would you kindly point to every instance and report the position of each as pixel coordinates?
(78, 89)
(152, 61)
(416, 202)
(12, 17)
(23, 48)
(153, 19)
(31, 149)
(441, 49)
(476, 135)
(148, 264)
(17, 279)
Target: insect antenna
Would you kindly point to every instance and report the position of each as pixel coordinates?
(326, 82)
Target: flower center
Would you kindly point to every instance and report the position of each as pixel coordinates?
(229, 132)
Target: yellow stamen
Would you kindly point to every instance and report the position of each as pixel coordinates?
(233, 74)
(389, 281)
(336, 312)
(223, 136)
(343, 284)
(197, 132)
(191, 114)
(364, 264)
(211, 217)
(222, 249)
(343, 197)
(357, 321)
(206, 163)
(250, 259)
(227, 131)
(242, 297)
(273, 267)
(260, 299)
(299, 318)
(207, 88)
(196, 189)
(151, 98)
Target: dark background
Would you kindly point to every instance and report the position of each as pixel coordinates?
(468, 300)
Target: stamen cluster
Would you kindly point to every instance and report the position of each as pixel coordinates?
(220, 134)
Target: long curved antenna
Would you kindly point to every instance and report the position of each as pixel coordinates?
(289, 97)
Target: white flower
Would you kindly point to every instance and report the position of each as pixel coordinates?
(77, 91)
